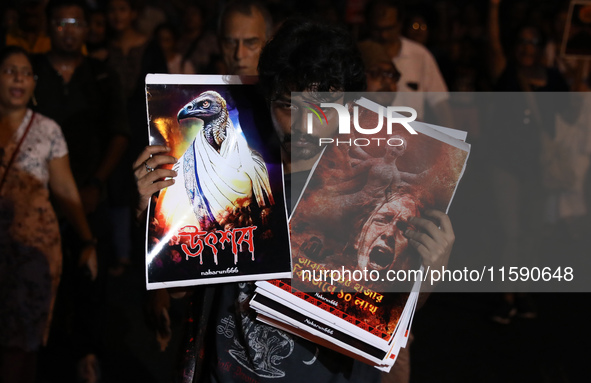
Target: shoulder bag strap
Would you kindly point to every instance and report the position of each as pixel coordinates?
(13, 157)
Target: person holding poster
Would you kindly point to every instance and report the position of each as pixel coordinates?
(225, 343)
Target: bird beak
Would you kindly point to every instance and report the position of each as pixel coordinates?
(182, 114)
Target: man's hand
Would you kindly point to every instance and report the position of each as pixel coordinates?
(433, 238)
(88, 259)
(149, 177)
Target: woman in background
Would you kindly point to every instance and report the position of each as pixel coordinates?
(167, 38)
(33, 161)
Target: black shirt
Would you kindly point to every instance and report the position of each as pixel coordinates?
(246, 350)
(89, 109)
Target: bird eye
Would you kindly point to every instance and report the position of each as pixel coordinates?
(206, 104)
(190, 107)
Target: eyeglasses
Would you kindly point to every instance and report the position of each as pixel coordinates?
(61, 24)
(392, 75)
(416, 26)
(13, 71)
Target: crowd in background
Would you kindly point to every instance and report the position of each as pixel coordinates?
(479, 46)
(456, 32)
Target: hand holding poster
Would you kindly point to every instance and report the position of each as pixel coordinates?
(224, 217)
(349, 235)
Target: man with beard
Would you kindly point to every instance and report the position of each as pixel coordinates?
(225, 344)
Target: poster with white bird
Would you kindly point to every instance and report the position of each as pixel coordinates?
(224, 219)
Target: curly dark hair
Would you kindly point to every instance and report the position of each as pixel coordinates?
(304, 55)
(53, 5)
(10, 50)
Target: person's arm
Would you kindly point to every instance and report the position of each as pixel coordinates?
(413, 178)
(497, 60)
(433, 240)
(63, 188)
(357, 153)
(149, 182)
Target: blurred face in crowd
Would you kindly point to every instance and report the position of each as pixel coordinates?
(290, 116)
(121, 15)
(166, 40)
(384, 25)
(10, 19)
(192, 19)
(31, 15)
(68, 29)
(418, 30)
(242, 39)
(382, 244)
(17, 82)
(528, 49)
(383, 78)
(97, 28)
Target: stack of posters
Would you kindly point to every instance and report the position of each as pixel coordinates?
(348, 242)
(224, 219)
